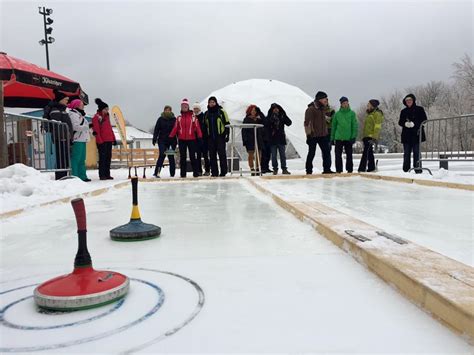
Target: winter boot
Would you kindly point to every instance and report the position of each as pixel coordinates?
(275, 171)
(286, 172)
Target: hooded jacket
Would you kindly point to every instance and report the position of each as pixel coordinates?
(275, 125)
(79, 125)
(163, 127)
(216, 120)
(102, 128)
(344, 125)
(186, 127)
(415, 114)
(315, 124)
(373, 124)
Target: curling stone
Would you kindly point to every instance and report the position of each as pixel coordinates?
(135, 230)
(85, 287)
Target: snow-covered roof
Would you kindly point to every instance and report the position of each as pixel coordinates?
(133, 133)
(236, 97)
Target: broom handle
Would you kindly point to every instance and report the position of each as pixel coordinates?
(135, 191)
(80, 212)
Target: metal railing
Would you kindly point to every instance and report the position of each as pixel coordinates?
(254, 127)
(37, 142)
(448, 139)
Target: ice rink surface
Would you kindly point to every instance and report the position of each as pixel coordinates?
(440, 219)
(231, 272)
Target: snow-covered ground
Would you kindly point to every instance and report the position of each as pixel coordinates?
(268, 282)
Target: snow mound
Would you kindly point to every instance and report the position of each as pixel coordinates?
(22, 186)
(236, 97)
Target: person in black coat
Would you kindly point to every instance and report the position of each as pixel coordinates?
(202, 151)
(163, 127)
(253, 116)
(275, 131)
(411, 118)
(56, 110)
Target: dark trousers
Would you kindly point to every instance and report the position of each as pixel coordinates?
(266, 154)
(347, 146)
(281, 149)
(203, 153)
(324, 146)
(408, 148)
(367, 156)
(62, 158)
(105, 156)
(330, 147)
(217, 147)
(189, 146)
(163, 147)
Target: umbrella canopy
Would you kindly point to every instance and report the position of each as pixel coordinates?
(28, 85)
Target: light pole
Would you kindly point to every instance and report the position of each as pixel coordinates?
(47, 21)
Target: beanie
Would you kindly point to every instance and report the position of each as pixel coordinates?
(100, 104)
(321, 95)
(197, 105)
(74, 104)
(212, 98)
(343, 99)
(58, 95)
(185, 102)
(375, 103)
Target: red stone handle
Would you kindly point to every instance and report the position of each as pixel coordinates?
(80, 212)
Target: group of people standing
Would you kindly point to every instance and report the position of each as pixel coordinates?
(72, 113)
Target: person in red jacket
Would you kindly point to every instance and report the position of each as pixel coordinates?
(187, 128)
(104, 137)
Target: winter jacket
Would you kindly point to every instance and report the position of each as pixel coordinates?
(275, 126)
(315, 124)
(373, 124)
(57, 112)
(344, 125)
(186, 127)
(202, 124)
(216, 120)
(163, 127)
(415, 114)
(80, 126)
(102, 128)
(248, 134)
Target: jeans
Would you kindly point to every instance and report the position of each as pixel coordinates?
(347, 146)
(281, 149)
(407, 149)
(367, 156)
(163, 147)
(324, 146)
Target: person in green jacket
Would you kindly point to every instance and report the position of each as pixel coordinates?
(371, 134)
(344, 133)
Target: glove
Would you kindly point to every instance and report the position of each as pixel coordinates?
(409, 124)
(91, 125)
(94, 133)
(328, 119)
(227, 138)
(352, 141)
(153, 142)
(114, 142)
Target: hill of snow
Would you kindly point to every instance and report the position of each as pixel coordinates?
(236, 97)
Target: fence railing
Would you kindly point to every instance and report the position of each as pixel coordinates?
(37, 142)
(448, 139)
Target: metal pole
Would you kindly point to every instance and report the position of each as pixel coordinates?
(45, 37)
(3, 138)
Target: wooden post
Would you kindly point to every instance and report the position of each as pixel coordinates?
(3, 134)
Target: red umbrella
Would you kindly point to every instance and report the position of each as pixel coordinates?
(28, 85)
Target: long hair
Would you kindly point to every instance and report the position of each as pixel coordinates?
(250, 108)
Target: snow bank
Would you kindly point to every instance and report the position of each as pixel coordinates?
(236, 97)
(22, 186)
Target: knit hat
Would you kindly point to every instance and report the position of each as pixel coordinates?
(343, 99)
(185, 102)
(58, 95)
(100, 104)
(321, 95)
(212, 98)
(74, 104)
(375, 103)
(197, 105)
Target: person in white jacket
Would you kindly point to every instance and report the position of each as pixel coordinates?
(81, 136)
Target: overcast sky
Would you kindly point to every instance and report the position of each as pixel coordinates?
(142, 55)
